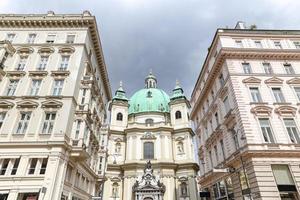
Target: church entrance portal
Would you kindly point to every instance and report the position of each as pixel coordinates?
(148, 188)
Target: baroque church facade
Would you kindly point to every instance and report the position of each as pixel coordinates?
(150, 146)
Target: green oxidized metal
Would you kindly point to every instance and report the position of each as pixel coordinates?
(149, 100)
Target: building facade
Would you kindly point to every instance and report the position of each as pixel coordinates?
(150, 128)
(54, 90)
(245, 107)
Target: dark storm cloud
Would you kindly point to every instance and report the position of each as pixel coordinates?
(170, 37)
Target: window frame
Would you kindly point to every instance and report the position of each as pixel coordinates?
(267, 133)
(147, 155)
(178, 114)
(247, 70)
(58, 87)
(296, 135)
(48, 124)
(23, 124)
(282, 98)
(255, 97)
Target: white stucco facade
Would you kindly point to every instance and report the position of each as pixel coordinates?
(245, 108)
(53, 97)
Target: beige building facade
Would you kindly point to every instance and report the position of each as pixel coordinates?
(54, 90)
(151, 127)
(245, 108)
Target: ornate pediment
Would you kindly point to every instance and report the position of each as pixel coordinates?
(252, 80)
(179, 138)
(115, 179)
(148, 136)
(46, 50)
(293, 81)
(24, 51)
(27, 104)
(286, 110)
(261, 110)
(6, 104)
(52, 104)
(274, 80)
(66, 50)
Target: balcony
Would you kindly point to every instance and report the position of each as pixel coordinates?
(79, 149)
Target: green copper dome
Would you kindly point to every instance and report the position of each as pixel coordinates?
(149, 100)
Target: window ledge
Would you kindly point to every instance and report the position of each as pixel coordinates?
(29, 97)
(54, 97)
(7, 97)
(258, 103)
(282, 103)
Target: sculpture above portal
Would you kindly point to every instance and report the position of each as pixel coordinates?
(148, 187)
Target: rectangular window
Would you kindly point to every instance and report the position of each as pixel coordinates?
(70, 39)
(148, 150)
(239, 44)
(235, 140)
(22, 63)
(288, 69)
(15, 166)
(258, 44)
(222, 149)
(35, 87)
(277, 45)
(285, 182)
(69, 173)
(23, 123)
(247, 68)
(64, 63)
(50, 38)
(216, 153)
(292, 130)
(217, 119)
(83, 96)
(43, 63)
(278, 95)
(297, 90)
(32, 165)
(4, 166)
(268, 68)
(48, 123)
(266, 130)
(44, 165)
(297, 45)
(31, 38)
(58, 86)
(12, 86)
(10, 37)
(255, 94)
(2, 117)
(226, 104)
(77, 131)
(221, 80)
(210, 159)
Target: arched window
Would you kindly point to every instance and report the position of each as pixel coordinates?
(117, 147)
(183, 189)
(148, 150)
(149, 122)
(178, 114)
(120, 117)
(180, 147)
(115, 190)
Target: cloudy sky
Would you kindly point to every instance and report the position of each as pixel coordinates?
(170, 37)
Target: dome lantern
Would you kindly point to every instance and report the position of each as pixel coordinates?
(150, 81)
(120, 93)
